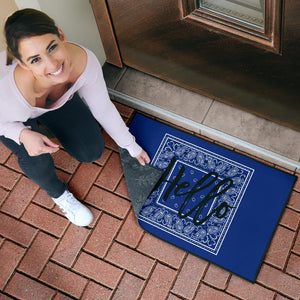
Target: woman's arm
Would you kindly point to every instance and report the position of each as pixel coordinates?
(95, 94)
(12, 130)
(36, 143)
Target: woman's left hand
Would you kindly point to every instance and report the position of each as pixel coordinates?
(143, 158)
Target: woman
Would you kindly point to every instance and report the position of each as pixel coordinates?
(41, 84)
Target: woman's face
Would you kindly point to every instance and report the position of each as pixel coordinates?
(46, 57)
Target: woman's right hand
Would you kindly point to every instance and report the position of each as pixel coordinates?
(36, 143)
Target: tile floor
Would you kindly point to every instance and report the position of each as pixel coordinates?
(43, 256)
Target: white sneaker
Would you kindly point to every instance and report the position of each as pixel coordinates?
(76, 212)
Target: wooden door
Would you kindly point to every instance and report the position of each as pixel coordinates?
(251, 62)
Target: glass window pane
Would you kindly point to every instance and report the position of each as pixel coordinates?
(247, 12)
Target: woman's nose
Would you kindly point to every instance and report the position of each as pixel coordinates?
(52, 64)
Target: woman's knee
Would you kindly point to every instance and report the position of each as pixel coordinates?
(36, 166)
(90, 153)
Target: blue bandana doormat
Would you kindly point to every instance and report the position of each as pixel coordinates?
(208, 200)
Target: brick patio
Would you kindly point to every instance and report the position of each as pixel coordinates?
(43, 256)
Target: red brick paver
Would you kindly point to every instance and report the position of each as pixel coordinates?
(189, 276)
(159, 283)
(38, 254)
(23, 287)
(65, 162)
(44, 256)
(290, 219)
(46, 220)
(20, 197)
(83, 180)
(246, 290)
(70, 245)
(98, 270)
(8, 178)
(216, 277)
(16, 230)
(209, 293)
(93, 289)
(129, 287)
(130, 233)
(161, 250)
(131, 260)
(279, 281)
(3, 195)
(103, 235)
(4, 153)
(108, 202)
(64, 280)
(10, 256)
(297, 184)
(293, 267)
(280, 247)
(111, 173)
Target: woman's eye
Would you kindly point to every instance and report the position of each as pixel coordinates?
(52, 48)
(35, 60)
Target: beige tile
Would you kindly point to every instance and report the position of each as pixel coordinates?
(259, 154)
(255, 130)
(156, 112)
(164, 95)
(112, 74)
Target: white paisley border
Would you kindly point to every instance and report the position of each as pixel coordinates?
(203, 160)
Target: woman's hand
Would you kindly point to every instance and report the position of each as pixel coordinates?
(36, 143)
(143, 158)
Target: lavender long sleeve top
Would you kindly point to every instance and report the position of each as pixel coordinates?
(14, 109)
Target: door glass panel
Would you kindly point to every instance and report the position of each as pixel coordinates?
(247, 12)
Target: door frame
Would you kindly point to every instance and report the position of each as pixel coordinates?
(107, 33)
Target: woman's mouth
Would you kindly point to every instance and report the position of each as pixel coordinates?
(58, 71)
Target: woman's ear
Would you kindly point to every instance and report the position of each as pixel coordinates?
(62, 35)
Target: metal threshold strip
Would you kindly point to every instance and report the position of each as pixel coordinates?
(203, 129)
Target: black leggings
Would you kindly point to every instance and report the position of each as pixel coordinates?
(78, 132)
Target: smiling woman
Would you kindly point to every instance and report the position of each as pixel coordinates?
(49, 59)
(44, 72)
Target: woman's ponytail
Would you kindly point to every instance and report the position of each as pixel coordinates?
(9, 57)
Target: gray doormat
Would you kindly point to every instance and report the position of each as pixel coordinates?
(140, 180)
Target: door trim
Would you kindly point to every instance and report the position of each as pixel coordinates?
(107, 34)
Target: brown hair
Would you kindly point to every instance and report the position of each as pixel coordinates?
(26, 23)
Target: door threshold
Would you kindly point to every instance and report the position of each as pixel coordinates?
(207, 131)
